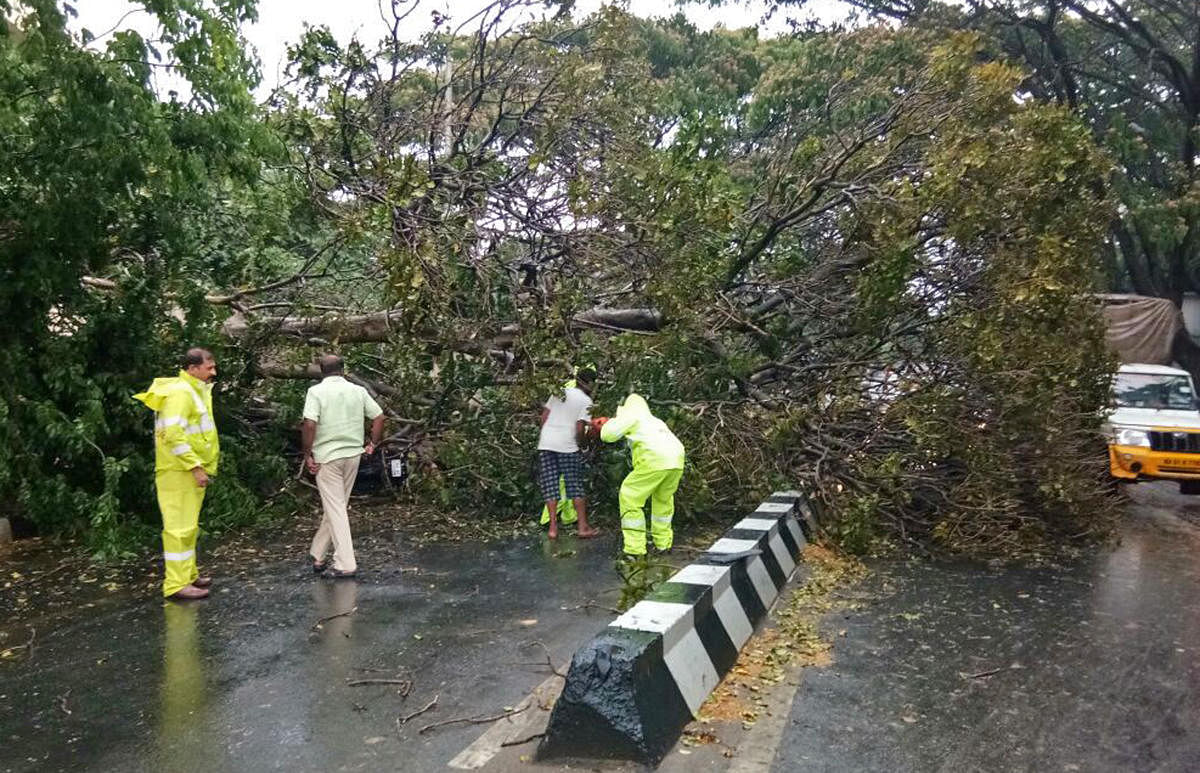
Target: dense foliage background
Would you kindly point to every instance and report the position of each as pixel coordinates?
(854, 259)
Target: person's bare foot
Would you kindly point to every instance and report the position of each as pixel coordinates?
(189, 593)
(588, 533)
(202, 582)
(553, 533)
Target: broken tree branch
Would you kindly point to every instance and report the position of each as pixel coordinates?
(405, 719)
(356, 682)
(591, 605)
(471, 720)
(549, 661)
(324, 620)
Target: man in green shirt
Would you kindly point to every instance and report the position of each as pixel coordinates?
(332, 436)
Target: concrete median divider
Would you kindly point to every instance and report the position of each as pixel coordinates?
(630, 690)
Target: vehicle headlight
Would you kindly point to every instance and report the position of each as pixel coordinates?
(1126, 436)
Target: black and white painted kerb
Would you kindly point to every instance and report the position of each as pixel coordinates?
(630, 690)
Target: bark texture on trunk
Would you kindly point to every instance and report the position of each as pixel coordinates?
(382, 325)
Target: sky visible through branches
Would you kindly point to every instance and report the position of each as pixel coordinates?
(281, 22)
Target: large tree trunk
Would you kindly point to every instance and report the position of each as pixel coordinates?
(355, 328)
(381, 326)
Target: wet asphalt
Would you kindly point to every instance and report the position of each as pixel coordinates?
(1089, 667)
(246, 681)
(1094, 666)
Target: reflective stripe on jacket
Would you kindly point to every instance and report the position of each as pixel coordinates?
(185, 435)
(651, 442)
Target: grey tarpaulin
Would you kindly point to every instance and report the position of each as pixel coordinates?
(1141, 329)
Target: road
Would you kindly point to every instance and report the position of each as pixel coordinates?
(245, 681)
(1088, 667)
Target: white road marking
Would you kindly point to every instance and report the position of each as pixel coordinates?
(511, 728)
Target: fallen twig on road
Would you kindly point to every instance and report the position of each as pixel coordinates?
(27, 646)
(591, 605)
(981, 674)
(471, 720)
(549, 661)
(324, 620)
(62, 703)
(404, 720)
(524, 740)
(405, 684)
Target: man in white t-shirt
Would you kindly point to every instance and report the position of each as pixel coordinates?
(566, 420)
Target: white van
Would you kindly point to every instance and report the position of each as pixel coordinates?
(1154, 428)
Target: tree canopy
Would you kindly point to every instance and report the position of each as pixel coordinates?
(1130, 69)
(844, 259)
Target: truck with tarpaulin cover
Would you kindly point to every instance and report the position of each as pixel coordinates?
(1153, 423)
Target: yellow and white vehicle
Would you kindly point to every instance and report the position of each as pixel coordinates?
(1154, 428)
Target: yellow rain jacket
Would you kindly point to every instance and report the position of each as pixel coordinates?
(651, 442)
(185, 435)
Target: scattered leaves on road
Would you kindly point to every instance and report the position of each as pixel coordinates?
(791, 639)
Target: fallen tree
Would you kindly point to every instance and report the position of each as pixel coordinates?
(844, 283)
(849, 261)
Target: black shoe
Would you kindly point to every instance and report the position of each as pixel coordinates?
(319, 566)
(337, 574)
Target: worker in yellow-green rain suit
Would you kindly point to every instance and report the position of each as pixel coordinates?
(657, 467)
(185, 456)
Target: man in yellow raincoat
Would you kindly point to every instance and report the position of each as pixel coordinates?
(657, 467)
(185, 457)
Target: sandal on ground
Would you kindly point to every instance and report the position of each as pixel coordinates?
(202, 582)
(337, 574)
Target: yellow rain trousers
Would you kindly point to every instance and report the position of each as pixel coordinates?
(185, 437)
(658, 460)
(179, 500)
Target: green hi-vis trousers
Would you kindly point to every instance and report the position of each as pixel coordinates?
(179, 499)
(659, 487)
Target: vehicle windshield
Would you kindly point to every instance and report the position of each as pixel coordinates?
(1151, 390)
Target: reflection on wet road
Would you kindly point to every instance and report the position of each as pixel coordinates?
(1088, 667)
(1092, 667)
(183, 686)
(247, 680)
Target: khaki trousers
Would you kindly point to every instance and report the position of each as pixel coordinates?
(335, 479)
